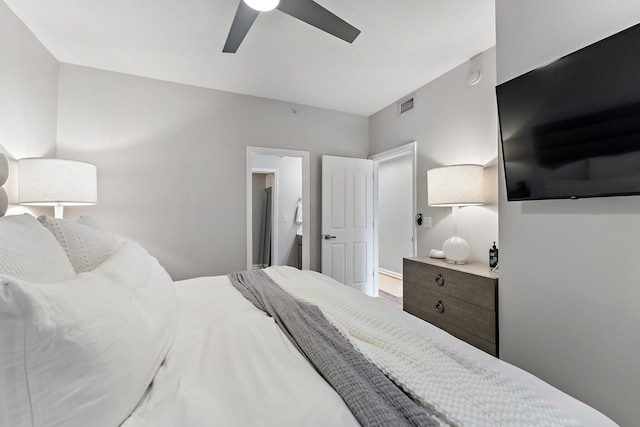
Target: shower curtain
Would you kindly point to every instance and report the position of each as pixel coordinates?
(264, 257)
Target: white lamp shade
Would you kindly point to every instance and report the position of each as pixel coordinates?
(262, 5)
(457, 185)
(51, 182)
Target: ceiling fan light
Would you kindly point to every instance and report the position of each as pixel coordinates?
(262, 5)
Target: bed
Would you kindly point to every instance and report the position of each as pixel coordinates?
(93, 331)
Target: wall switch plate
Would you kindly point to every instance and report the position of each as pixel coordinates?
(426, 221)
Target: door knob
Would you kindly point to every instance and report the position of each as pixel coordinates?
(328, 236)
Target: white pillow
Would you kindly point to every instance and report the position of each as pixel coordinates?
(86, 247)
(93, 222)
(82, 352)
(29, 252)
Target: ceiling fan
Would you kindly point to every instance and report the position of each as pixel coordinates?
(305, 10)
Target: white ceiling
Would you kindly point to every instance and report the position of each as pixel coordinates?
(404, 44)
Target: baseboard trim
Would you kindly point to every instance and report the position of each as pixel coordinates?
(390, 273)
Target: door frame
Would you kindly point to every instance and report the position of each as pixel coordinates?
(402, 150)
(306, 197)
(274, 210)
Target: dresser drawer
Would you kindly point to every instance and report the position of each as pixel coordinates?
(475, 289)
(441, 309)
(484, 345)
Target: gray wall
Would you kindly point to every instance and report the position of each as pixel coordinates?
(569, 279)
(28, 91)
(171, 160)
(395, 212)
(452, 122)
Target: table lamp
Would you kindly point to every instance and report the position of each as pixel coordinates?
(57, 183)
(455, 186)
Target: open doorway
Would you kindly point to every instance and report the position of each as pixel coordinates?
(277, 223)
(395, 206)
(263, 192)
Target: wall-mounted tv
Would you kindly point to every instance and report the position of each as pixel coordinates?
(571, 129)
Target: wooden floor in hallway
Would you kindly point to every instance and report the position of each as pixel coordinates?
(390, 290)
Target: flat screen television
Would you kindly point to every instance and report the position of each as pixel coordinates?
(571, 129)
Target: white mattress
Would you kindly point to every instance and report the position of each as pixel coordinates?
(231, 365)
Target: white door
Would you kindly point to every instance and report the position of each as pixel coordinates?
(347, 222)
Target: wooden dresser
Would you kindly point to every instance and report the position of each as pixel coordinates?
(461, 299)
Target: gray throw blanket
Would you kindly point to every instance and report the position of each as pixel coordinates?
(372, 398)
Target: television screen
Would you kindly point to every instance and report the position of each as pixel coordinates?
(571, 129)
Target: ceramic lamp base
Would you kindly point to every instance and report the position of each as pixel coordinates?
(456, 250)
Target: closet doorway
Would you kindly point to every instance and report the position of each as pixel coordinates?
(395, 205)
(277, 223)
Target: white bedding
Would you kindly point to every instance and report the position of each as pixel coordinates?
(82, 351)
(583, 414)
(230, 365)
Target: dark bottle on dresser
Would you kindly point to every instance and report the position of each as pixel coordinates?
(493, 256)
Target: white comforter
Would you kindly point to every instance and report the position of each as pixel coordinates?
(230, 364)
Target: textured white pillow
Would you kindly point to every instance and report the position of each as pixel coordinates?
(93, 222)
(29, 252)
(86, 247)
(82, 352)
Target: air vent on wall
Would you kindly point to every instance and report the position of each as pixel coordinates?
(405, 106)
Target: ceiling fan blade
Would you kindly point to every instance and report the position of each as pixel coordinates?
(242, 22)
(313, 14)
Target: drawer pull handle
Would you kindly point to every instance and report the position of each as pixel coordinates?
(440, 280)
(440, 307)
